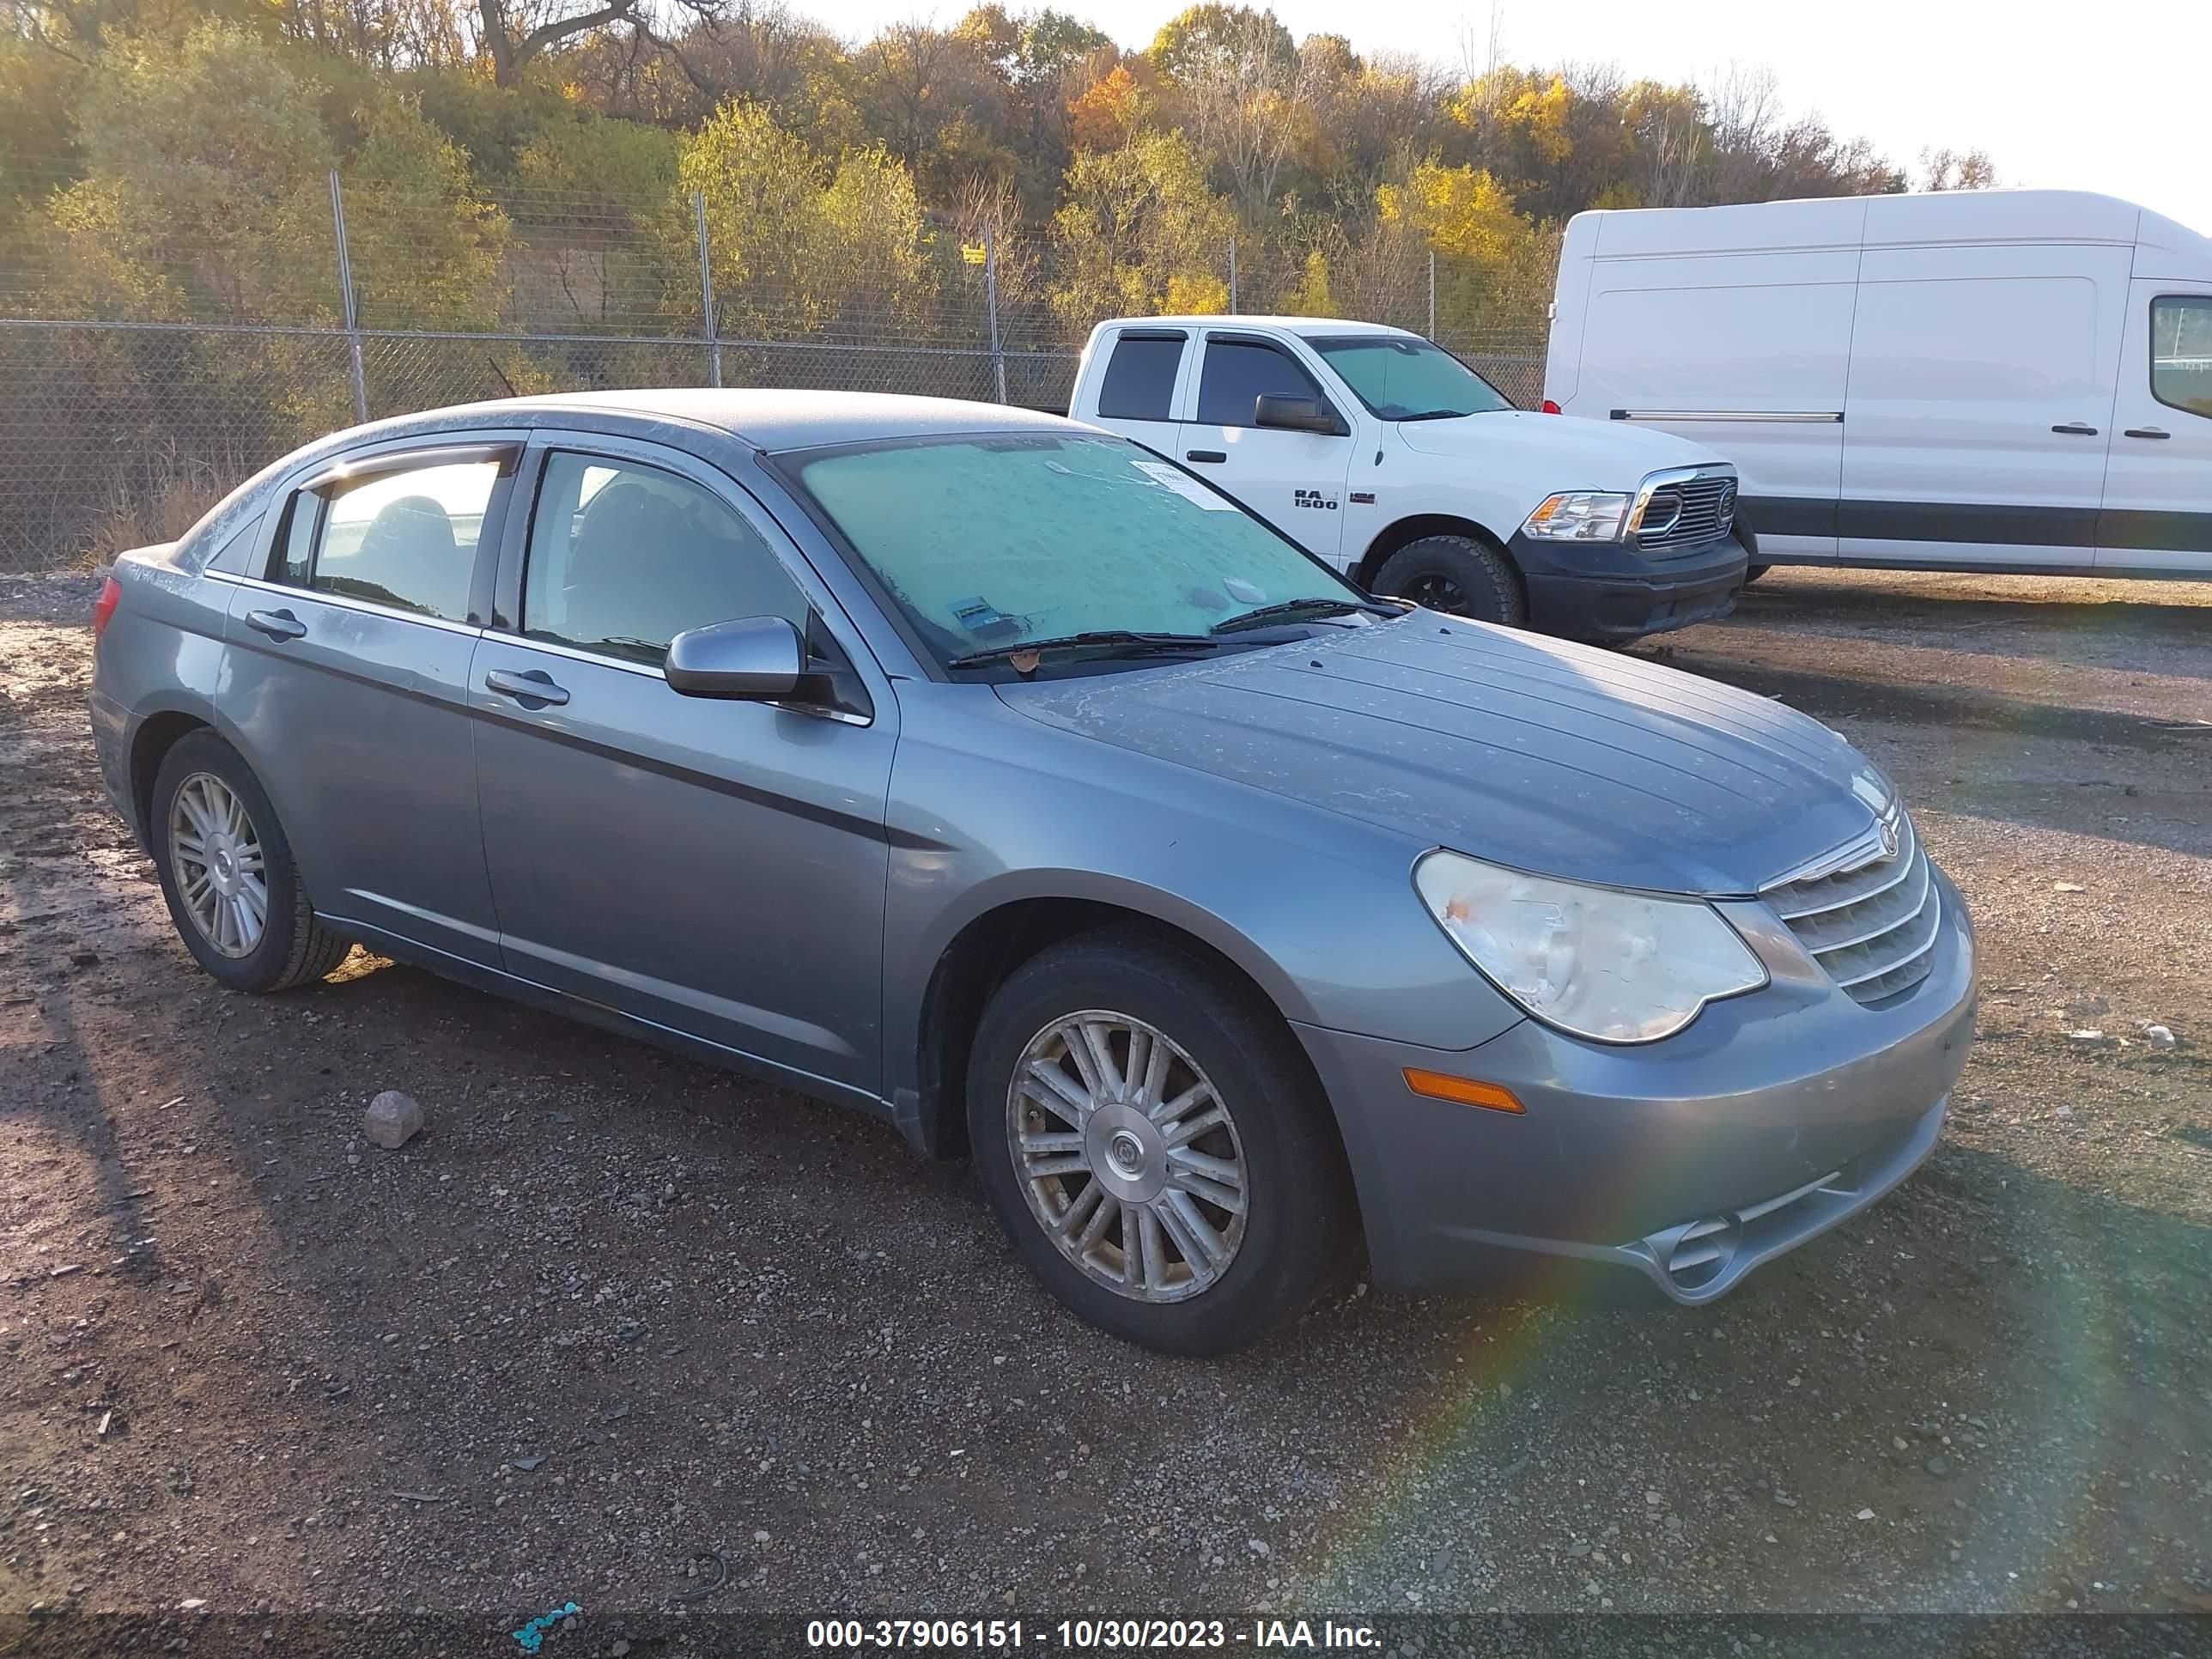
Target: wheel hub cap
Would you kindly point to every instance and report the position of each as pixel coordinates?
(1126, 1152)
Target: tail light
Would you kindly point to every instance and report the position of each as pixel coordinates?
(1550, 408)
(103, 608)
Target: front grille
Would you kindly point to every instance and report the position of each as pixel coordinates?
(1688, 511)
(1869, 917)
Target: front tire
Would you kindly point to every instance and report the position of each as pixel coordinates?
(233, 891)
(1458, 575)
(1155, 1145)
(1752, 573)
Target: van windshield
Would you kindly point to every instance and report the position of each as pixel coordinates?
(1402, 379)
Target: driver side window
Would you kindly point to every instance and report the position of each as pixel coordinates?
(1237, 374)
(624, 557)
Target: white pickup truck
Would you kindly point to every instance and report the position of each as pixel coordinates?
(1390, 459)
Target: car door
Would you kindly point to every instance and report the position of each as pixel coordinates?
(1294, 480)
(713, 867)
(1979, 411)
(347, 684)
(2158, 485)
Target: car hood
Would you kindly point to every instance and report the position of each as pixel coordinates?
(1558, 452)
(1552, 758)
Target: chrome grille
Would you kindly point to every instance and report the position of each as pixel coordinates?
(1687, 512)
(1868, 916)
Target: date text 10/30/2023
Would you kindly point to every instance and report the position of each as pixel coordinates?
(1012, 1636)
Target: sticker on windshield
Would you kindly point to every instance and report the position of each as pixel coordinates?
(1189, 488)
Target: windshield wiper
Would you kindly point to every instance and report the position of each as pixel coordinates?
(1437, 414)
(1129, 641)
(1314, 607)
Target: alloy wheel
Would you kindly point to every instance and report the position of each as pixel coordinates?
(219, 865)
(1127, 1155)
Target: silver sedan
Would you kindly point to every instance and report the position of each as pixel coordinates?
(993, 775)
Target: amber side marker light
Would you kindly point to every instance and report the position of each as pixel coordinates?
(1462, 1091)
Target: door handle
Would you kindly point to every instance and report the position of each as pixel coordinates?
(276, 624)
(527, 685)
(2077, 430)
(2146, 432)
(1206, 455)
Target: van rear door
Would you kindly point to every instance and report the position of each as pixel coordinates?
(1980, 407)
(2158, 487)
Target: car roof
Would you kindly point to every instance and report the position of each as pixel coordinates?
(769, 419)
(1296, 324)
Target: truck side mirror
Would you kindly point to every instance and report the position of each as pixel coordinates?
(1296, 415)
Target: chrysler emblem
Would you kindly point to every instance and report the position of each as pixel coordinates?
(1888, 829)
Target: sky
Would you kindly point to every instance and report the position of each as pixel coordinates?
(2110, 97)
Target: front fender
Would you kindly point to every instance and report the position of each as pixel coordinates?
(989, 808)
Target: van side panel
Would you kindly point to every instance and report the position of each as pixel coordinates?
(1571, 305)
(1744, 346)
(1979, 414)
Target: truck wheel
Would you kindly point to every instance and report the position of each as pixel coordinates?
(1456, 575)
(227, 874)
(1155, 1145)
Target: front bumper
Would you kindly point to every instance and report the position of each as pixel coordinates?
(1688, 1162)
(1603, 590)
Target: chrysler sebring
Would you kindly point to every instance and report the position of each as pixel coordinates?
(989, 773)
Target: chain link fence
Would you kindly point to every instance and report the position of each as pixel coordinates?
(138, 384)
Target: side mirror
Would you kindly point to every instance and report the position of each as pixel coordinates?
(1296, 415)
(757, 660)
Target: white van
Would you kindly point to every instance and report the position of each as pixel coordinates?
(1386, 457)
(2003, 380)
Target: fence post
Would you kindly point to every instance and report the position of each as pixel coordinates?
(1432, 294)
(1233, 276)
(345, 293)
(707, 293)
(991, 307)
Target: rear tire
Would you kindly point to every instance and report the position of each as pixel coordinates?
(1111, 1166)
(233, 891)
(1458, 575)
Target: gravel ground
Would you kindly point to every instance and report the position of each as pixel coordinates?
(614, 1308)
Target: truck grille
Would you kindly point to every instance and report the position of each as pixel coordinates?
(1687, 512)
(1868, 916)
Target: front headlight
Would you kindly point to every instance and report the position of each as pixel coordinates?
(1612, 966)
(1578, 515)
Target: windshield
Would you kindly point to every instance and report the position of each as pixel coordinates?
(987, 542)
(1399, 377)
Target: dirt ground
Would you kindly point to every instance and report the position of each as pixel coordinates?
(614, 1308)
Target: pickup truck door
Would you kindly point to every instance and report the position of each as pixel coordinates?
(1294, 480)
(1137, 388)
(2158, 484)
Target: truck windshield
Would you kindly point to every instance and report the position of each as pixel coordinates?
(1401, 378)
(987, 541)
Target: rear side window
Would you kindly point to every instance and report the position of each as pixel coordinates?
(1141, 377)
(406, 540)
(624, 557)
(1237, 375)
(2181, 352)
